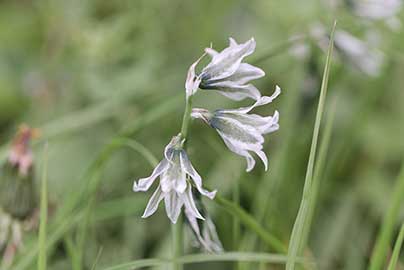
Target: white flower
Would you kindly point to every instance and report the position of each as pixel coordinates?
(174, 187)
(242, 132)
(226, 74)
(352, 49)
(359, 53)
(377, 9)
(205, 232)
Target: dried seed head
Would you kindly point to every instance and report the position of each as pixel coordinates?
(17, 185)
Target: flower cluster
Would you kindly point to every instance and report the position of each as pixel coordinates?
(241, 131)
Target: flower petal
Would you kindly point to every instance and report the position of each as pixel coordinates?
(235, 91)
(190, 204)
(274, 126)
(173, 204)
(192, 82)
(211, 52)
(227, 61)
(208, 239)
(144, 183)
(263, 157)
(174, 176)
(232, 42)
(153, 203)
(169, 149)
(239, 150)
(212, 241)
(235, 130)
(260, 102)
(189, 169)
(246, 73)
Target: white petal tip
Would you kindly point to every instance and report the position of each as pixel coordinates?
(277, 89)
(146, 215)
(173, 221)
(135, 187)
(212, 194)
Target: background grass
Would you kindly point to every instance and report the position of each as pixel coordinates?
(104, 82)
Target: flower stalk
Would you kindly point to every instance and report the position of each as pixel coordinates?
(186, 118)
(177, 229)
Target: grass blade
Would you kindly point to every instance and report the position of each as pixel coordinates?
(397, 249)
(251, 223)
(203, 258)
(386, 232)
(320, 163)
(301, 219)
(43, 213)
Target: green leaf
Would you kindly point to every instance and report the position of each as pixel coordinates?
(308, 194)
(397, 249)
(389, 222)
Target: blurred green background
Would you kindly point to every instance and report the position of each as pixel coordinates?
(84, 72)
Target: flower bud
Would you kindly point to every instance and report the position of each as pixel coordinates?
(17, 178)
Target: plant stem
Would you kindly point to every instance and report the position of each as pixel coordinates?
(186, 118)
(177, 228)
(236, 220)
(42, 255)
(177, 243)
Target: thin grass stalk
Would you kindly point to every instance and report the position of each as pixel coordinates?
(319, 168)
(71, 251)
(42, 254)
(204, 258)
(397, 249)
(385, 235)
(296, 236)
(236, 220)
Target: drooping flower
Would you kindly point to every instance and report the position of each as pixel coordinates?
(372, 10)
(379, 10)
(205, 231)
(226, 73)
(177, 176)
(351, 49)
(242, 132)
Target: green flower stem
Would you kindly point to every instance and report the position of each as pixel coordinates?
(177, 229)
(186, 118)
(177, 238)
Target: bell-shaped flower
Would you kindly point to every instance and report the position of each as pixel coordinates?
(226, 73)
(204, 231)
(359, 53)
(177, 176)
(242, 132)
(378, 9)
